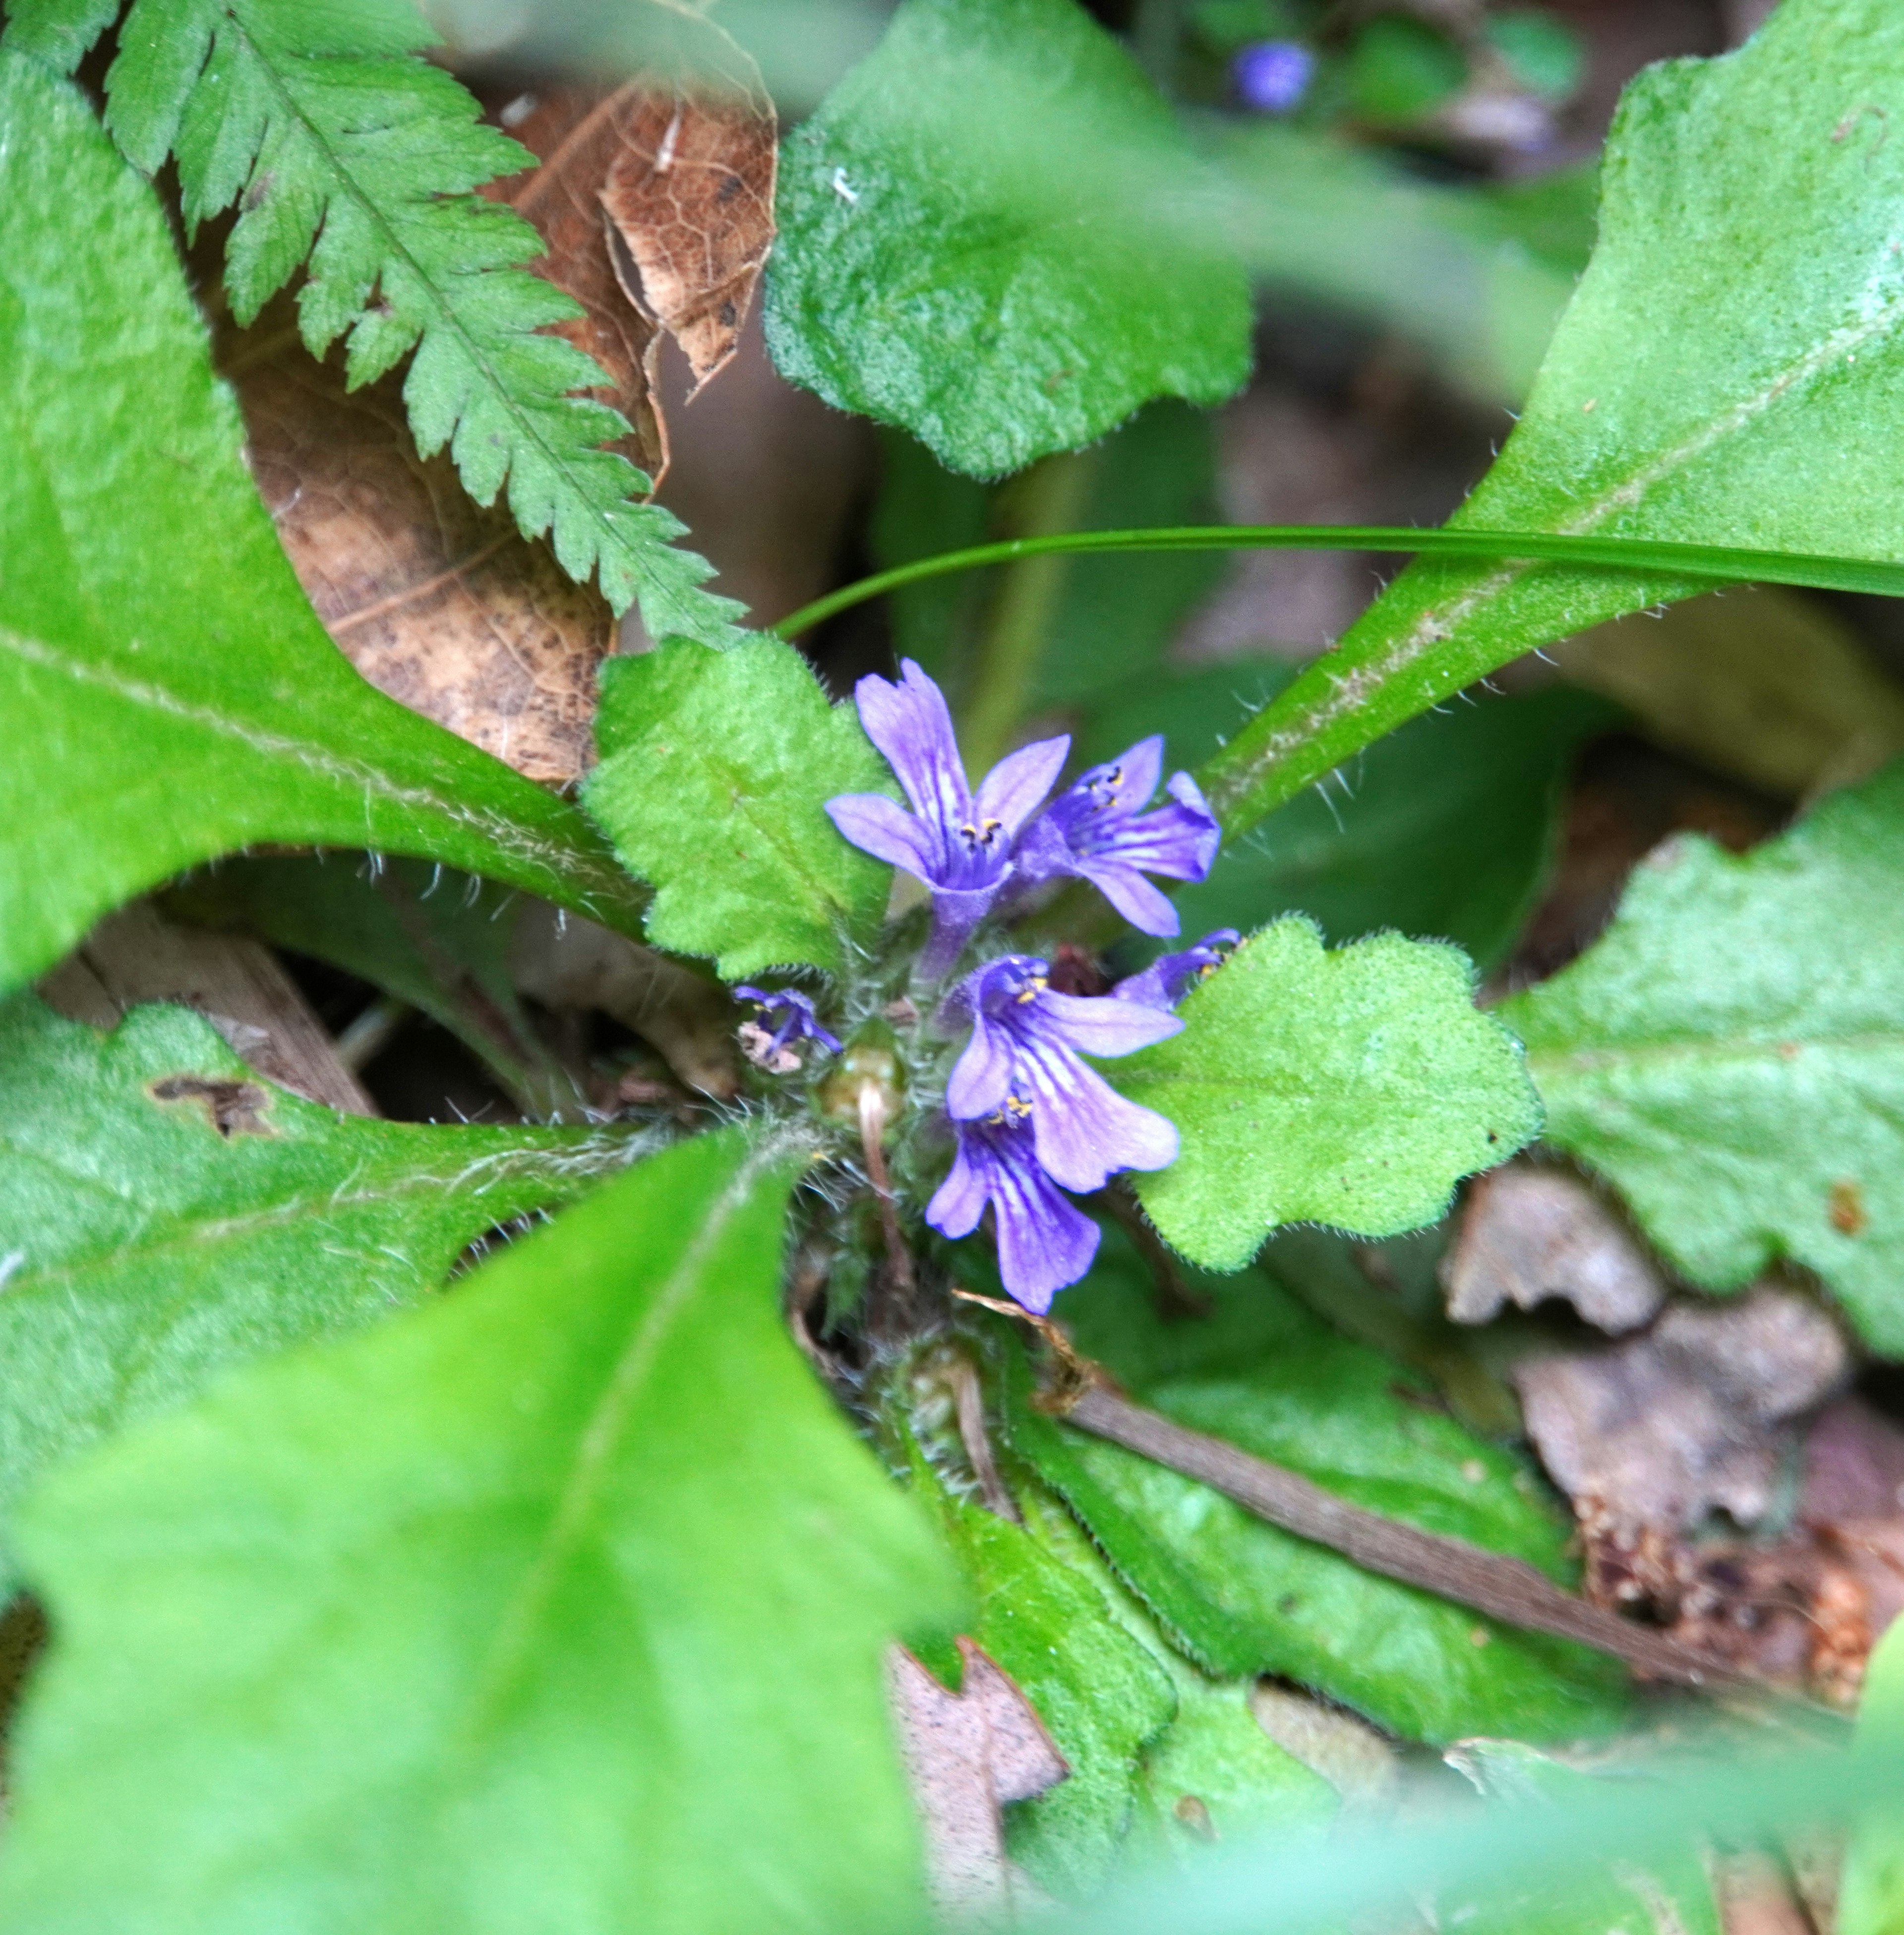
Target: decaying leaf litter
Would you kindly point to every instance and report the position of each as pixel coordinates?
(1722, 1458)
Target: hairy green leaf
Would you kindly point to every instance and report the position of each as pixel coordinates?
(985, 239)
(164, 1214)
(1099, 1693)
(1354, 1088)
(1730, 1055)
(353, 158)
(716, 770)
(1444, 829)
(1731, 370)
(169, 693)
(557, 1605)
(1242, 1596)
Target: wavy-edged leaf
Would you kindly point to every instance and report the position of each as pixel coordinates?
(165, 1214)
(351, 157)
(559, 1604)
(1730, 1054)
(984, 239)
(169, 694)
(1731, 371)
(1354, 1087)
(716, 770)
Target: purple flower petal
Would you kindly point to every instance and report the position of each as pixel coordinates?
(1084, 1130)
(1163, 984)
(1015, 788)
(910, 725)
(882, 827)
(1146, 908)
(959, 1200)
(981, 1077)
(1096, 1026)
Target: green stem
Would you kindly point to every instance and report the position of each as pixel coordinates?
(1038, 504)
(1724, 564)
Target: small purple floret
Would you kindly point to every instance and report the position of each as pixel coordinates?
(1097, 829)
(960, 844)
(1044, 1241)
(1170, 976)
(787, 1016)
(1273, 76)
(1023, 1055)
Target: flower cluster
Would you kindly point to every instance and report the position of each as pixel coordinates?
(1030, 1118)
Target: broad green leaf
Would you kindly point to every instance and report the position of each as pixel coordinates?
(716, 770)
(1354, 1088)
(1100, 1693)
(351, 157)
(994, 235)
(1871, 1900)
(169, 693)
(437, 940)
(1622, 1898)
(165, 1214)
(1477, 276)
(1445, 829)
(1243, 1597)
(1731, 371)
(558, 1604)
(1730, 1055)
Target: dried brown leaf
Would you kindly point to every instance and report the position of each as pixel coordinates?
(966, 1754)
(656, 202)
(1529, 1233)
(437, 601)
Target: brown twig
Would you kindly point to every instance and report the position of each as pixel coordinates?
(968, 1395)
(1074, 1374)
(1508, 1589)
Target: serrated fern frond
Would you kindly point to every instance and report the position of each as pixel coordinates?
(352, 157)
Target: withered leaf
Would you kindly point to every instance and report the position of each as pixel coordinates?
(437, 601)
(656, 202)
(966, 1754)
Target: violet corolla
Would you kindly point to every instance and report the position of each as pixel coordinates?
(1098, 829)
(1170, 976)
(787, 1016)
(958, 843)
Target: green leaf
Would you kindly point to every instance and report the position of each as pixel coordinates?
(991, 235)
(351, 157)
(164, 1214)
(1731, 370)
(1354, 1088)
(1622, 1898)
(438, 940)
(1242, 1597)
(1445, 828)
(716, 770)
(1100, 1693)
(170, 695)
(557, 1605)
(1730, 1055)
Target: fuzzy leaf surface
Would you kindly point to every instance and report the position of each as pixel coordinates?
(170, 695)
(1730, 1055)
(1243, 1597)
(716, 770)
(353, 158)
(1730, 371)
(166, 1214)
(984, 239)
(1354, 1088)
(558, 1604)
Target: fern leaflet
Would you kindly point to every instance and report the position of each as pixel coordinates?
(356, 159)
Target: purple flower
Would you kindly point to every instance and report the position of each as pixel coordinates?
(1097, 829)
(767, 1047)
(1273, 76)
(1165, 981)
(1045, 1241)
(1022, 1059)
(958, 844)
